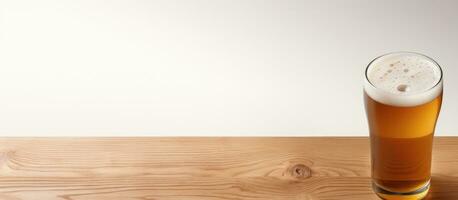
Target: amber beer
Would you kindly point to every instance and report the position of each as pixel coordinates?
(402, 95)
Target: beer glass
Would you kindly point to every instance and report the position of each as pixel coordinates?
(402, 96)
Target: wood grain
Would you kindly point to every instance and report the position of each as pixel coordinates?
(201, 169)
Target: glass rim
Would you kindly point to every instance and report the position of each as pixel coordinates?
(404, 52)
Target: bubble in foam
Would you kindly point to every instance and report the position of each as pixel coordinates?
(403, 88)
(403, 74)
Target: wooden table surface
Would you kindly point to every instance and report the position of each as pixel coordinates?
(201, 168)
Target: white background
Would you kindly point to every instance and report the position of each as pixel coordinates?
(215, 67)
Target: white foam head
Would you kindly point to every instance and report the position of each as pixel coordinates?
(403, 79)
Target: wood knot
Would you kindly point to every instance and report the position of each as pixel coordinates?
(300, 171)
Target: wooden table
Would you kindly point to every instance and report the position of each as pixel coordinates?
(201, 168)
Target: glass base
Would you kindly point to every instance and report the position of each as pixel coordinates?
(413, 195)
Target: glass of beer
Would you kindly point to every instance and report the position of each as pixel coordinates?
(402, 96)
